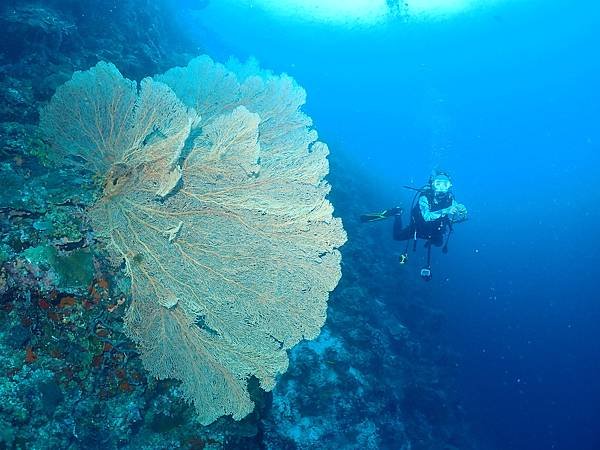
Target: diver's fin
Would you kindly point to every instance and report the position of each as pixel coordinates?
(373, 217)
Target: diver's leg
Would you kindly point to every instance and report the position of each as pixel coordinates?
(401, 234)
(437, 239)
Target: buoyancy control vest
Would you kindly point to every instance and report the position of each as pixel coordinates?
(428, 229)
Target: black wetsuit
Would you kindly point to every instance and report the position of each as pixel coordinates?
(433, 231)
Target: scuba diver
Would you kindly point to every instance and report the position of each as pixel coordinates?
(431, 218)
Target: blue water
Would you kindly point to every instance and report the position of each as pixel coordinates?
(508, 100)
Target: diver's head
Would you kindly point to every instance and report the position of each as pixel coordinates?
(440, 183)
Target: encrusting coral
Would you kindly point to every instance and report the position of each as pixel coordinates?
(214, 196)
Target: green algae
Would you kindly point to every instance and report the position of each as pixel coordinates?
(77, 269)
(74, 269)
(42, 255)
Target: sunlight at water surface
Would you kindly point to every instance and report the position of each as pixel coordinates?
(365, 11)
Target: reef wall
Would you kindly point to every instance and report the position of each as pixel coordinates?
(377, 377)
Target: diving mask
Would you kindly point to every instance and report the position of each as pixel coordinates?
(441, 185)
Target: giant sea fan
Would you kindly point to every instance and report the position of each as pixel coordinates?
(214, 196)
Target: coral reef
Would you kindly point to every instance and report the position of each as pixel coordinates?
(377, 376)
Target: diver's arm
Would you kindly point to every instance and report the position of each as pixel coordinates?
(429, 215)
(460, 213)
